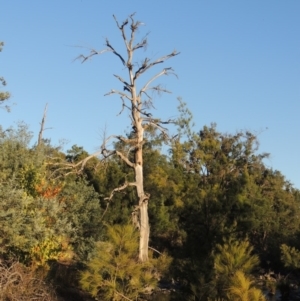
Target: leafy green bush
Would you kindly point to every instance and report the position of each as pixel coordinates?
(25, 222)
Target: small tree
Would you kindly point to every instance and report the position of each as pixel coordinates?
(114, 273)
(241, 289)
(138, 102)
(233, 261)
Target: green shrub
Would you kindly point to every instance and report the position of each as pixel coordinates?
(114, 272)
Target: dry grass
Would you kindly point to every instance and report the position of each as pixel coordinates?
(20, 283)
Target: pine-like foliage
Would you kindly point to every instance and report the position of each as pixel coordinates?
(115, 273)
(241, 289)
(233, 256)
(290, 257)
(230, 258)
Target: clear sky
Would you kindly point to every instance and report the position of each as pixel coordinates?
(239, 67)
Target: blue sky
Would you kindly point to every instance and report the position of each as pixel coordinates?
(239, 67)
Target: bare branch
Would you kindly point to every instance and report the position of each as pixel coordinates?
(120, 93)
(158, 121)
(158, 89)
(123, 106)
(126, 141)
(155, 250)
(92, 53)
(105, 140)
(125, 159)
(83, 162)
(168, 121)
(130, 149)
(165, 71)
(118, 189)
(148, 102)
(133, 27)
(78, 167)
(141, 44)
(120, 138)
(106, 152)
(115, 52)
(127, 86)
(156, 125)
(133, 106)
(122, 30)
(147, 66)
(65, 167)
(123, 24)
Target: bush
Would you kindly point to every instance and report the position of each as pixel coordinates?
(114, 273)
(18, 282)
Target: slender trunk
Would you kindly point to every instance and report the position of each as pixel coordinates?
(139, 176)
(143, 215)
(42, 128)
(143, 206)
(144, 230)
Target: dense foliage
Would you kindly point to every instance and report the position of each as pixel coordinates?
(224, 226)
(219, 212)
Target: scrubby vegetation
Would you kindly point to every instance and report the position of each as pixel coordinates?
(224, 226)
(221, 221)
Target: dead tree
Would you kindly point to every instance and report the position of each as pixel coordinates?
(42, 128)
(138, 102)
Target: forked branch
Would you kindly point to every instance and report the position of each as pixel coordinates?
(115, 52)
(146, 65)
(127, 86)
(165, 71)
(93, 52)
(125, 159)
(118, 189)
(122, 94)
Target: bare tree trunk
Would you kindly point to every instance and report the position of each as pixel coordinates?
(140, 119)
(42, 128)
(143, 208)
